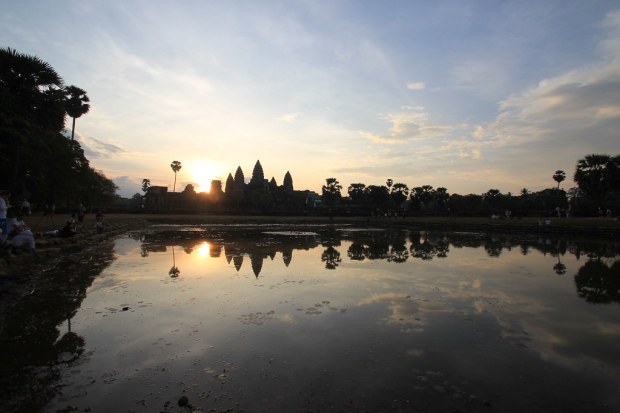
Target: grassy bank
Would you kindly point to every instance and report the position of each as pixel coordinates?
(585, 226)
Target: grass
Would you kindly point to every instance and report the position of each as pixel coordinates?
(599, 226)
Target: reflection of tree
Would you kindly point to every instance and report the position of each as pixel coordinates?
(426, 246)
(174, 271)
(559, 268)
(331, 258)
(493, 246)
(398, 253)
(597, 283)
(357, 251)
(378, 250)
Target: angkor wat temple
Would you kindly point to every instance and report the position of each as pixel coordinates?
(258, 195)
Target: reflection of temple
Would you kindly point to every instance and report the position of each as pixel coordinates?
(234, 244)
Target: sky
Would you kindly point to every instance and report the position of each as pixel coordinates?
(468, 95)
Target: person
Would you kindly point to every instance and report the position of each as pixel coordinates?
(69, 229)
(81, 211)
(25, 207)
(4, 206)
(100, 222)
(20, 236)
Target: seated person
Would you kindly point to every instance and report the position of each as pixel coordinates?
(20, 236)
(100, 223)
(69, 229)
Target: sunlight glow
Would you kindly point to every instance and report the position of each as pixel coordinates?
(203, 250)
(202, 173)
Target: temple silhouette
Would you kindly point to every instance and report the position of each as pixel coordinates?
(258, 195)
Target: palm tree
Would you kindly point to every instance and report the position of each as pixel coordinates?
(32, 99)
(597, 175)
(559, 176)
(145, 184)
(176, 167)
(76, 104)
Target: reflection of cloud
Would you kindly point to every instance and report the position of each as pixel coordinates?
(406, 312)
(287, 318)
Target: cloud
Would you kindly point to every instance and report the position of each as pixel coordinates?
(288, 117)
(96, 148)
(409, 125)
(127, 186)
(416, 86)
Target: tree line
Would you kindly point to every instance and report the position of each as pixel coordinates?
(597, 192)
(37, 160)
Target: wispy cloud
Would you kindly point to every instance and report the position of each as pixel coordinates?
(96, 148)
(416, 86)
(288, 117)
(409, 125)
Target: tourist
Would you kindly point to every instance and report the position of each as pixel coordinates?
(4, 206)
(20, 236)
(81, 211)
(69, 229)
(25, 208)
(100, 222)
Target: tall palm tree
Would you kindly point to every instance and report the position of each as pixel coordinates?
(176, 167)
(31, 99)
(559, 176)
(76, 104)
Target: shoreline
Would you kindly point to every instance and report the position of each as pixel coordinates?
(20, 274)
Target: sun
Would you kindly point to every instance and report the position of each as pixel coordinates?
(202, 174)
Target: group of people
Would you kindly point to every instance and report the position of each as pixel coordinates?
(16, 235)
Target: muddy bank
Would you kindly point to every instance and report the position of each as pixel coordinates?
(21, 272)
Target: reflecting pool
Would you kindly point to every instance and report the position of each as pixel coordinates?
(323, 319)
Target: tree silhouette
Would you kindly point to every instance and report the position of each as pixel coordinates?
(399, 193)
(331, 191)
(597, 175)
(76, 104)
(356, 192)
(176, 167)
(559, 176)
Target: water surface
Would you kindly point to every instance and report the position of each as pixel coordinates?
(264, 319)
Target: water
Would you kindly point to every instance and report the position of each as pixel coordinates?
(260, 319)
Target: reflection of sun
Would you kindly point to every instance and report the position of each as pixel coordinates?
(203, 250)
(202, 173)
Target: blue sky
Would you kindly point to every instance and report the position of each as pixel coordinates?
(468, 95)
